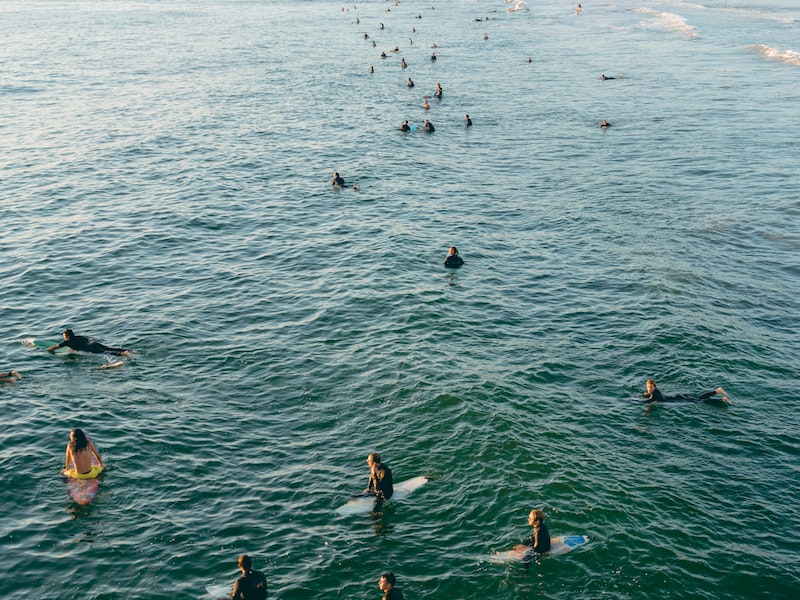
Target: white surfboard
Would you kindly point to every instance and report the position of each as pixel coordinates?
(364, 504)
(558, 545)
(219, 591)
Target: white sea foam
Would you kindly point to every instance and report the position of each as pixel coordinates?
(669, 21)
(787, 56)
(518, 5)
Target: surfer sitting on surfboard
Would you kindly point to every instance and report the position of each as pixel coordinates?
(252, 585)
(540, 540)
(380, 480)
(653, 394)
(83, 344)
(80, 450)
(453, 260)
(10, 377)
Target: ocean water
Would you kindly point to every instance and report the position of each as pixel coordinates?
(164, 185)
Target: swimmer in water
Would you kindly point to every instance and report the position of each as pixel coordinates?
(366, 37)
(529, 59)
(410, 83)
(387, 584)
(373, 43)
(404, 127)
(10, 377)
(79, 454)
(604, 78)
(433, 56)
(403, 62)
(425, 105)
(338, 181)
(438, 92)
(371, 69)
(383, 54)
(429, 126)
(381, 25)
(653, 394)
(605, 124)
(485, 36)
(84, 344)
(453, 260)
(468, 120)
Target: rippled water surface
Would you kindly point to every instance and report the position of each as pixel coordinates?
(164, 185)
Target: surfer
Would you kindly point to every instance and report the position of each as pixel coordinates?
(426, 105)
(252, 585)
(383, 54)
(429, 126)
(386, 584)
(337, 180)
(438, 92)
(10, 377)
(453, 260)
(80, 450)
(433, 56)
(604, 78)
(403, 63)
(468, 120)
(540, 540)
(84, 344)
(404, 127)
(380, 480)
(653, 394)
(605, 124)
(410, 83)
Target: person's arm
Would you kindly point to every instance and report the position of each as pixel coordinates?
(94, 451)
(68, 458)
(235, 592)
(57, 346)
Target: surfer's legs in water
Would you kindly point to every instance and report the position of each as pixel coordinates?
(10, 377)
(709, 397)
(99, 348)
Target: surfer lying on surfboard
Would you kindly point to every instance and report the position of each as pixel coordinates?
(653, 394)
(10, 377)
(84, 344)
(80, 450)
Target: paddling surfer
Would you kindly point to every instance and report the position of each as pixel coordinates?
(653, 394)
(84, 344)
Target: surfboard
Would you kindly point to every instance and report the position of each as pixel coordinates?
(83, 491)
(219, 591)
(414, 128)
(558, 545)
(364, 504)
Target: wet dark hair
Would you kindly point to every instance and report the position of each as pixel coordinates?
(80, 443)
(390, 578)
(69, 333)
(246, 562)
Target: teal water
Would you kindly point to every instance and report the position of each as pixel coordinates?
(164, 185)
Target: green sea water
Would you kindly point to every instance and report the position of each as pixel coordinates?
(164, 186)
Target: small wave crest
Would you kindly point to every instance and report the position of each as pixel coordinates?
(518, 5)
(669, 21)
(787, 56)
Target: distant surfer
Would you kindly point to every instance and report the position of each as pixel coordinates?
(386, 584)
(429, 126)
(604, 78)
(405, 127)
(453, 260)
(84, 344)
(252, 585)
(540, 539)
(10, 377)
(468, 121)
(426, 105)
(383, 54)
(371, 69)
(410, 83)
(653, 394)
(433, 56)
(80, 451)
(380, 480)
(338, 181)
(605, 124)
(438, 92)
(403, 63)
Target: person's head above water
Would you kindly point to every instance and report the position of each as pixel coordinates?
(452, 251)
(536, 517)
(387, 581)
(650, 385)
(68, 334)
(78, 440)
(245, 563)
(374, 459)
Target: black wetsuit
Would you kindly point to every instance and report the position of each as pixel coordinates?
(405, 127)
(381, 484)
(469, 122)
(453, 262)
(707, 397)
(83, 344)
(430, 128)
(252, 586)
(338, 181)
(540, 541)
(394, 594)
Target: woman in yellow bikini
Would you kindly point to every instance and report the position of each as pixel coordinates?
(80, 451)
